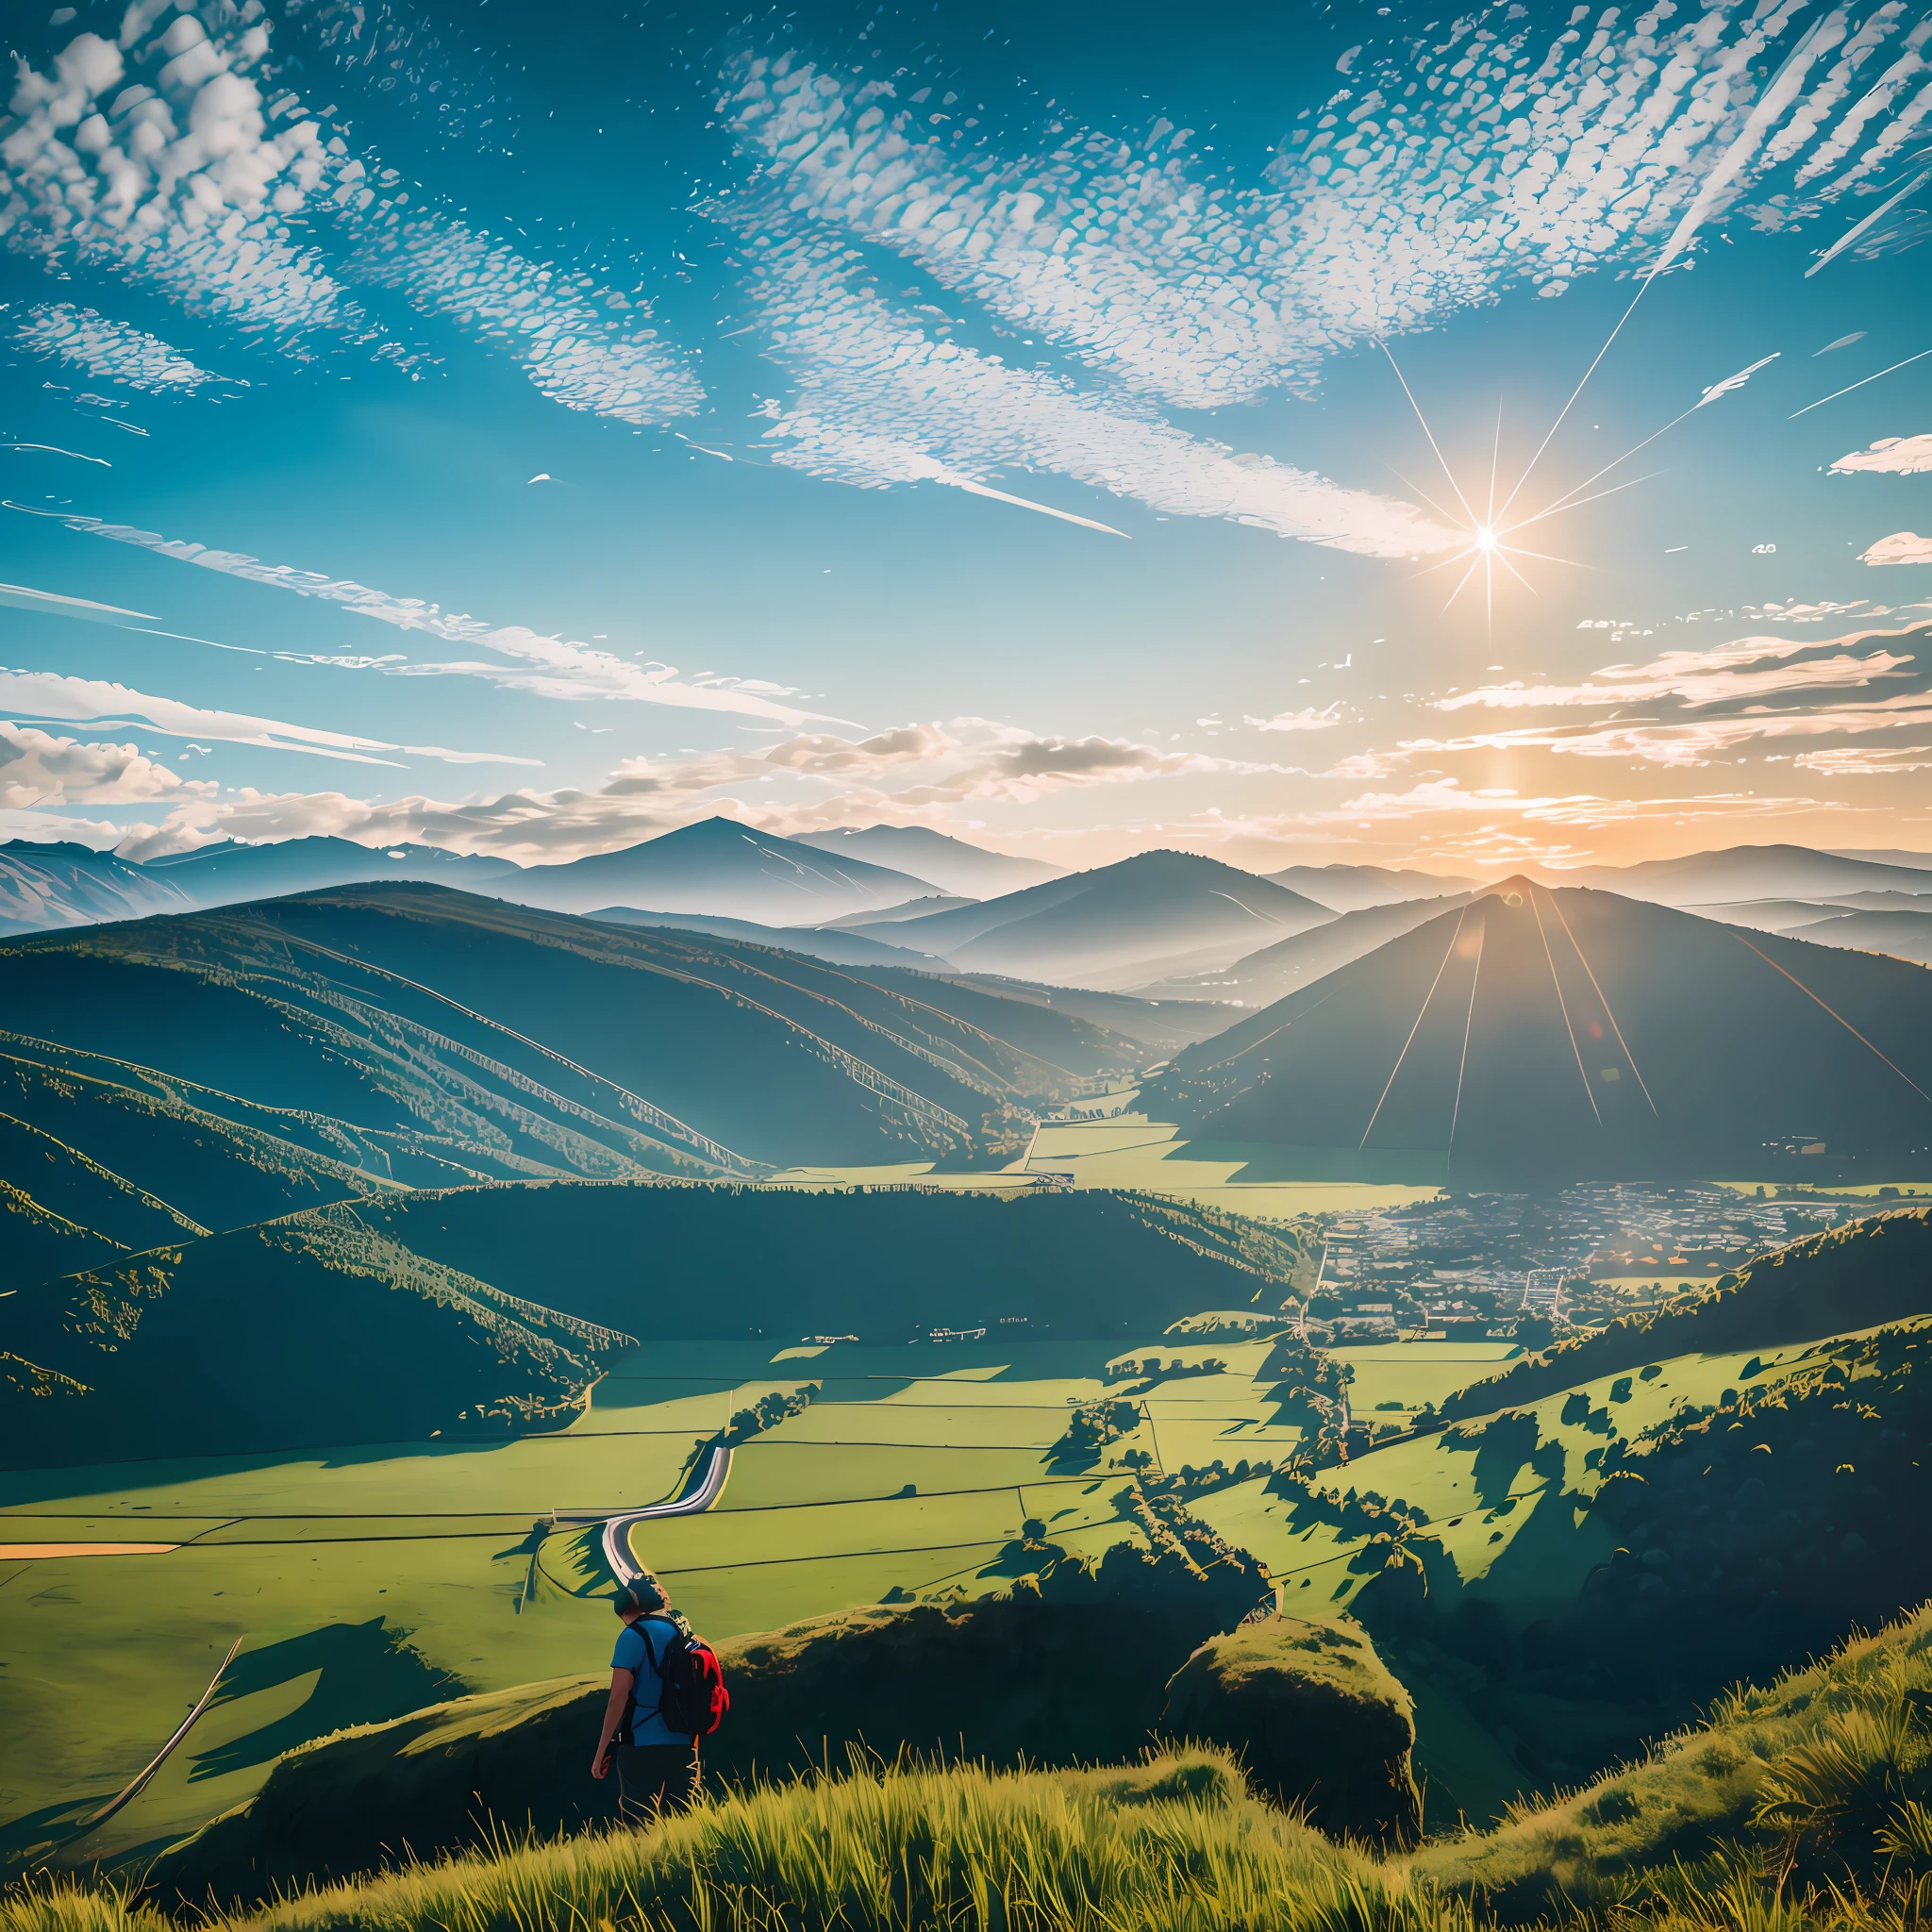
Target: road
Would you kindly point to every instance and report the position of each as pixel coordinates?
(706, 1486)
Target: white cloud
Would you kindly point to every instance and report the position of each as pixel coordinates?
(1700, 677)
(907, 775)
(1462, 159)
(1308, 719)
(88, 700)
(38, 769)
(1866, 762)
(544, 666)
(1891, 455)
(878, 401)
(1902, 546)
(110, 351)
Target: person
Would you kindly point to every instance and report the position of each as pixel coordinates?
(656, 1767)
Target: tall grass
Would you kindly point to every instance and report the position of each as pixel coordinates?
(1177, 1846)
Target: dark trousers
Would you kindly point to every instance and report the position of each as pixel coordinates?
(654, 1778)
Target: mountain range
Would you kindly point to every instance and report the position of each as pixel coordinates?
(956, 868)
(1576, 1034)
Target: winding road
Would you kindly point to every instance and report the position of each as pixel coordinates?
(706, 1486)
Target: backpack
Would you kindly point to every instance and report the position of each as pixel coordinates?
(692, 1697)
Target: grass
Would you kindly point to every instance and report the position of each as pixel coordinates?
(1173, 1845)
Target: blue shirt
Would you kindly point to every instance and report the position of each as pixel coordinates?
(640, 1649)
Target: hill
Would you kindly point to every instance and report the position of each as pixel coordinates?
(954, 865)
(1117, 926)
(1356, 887)
(46, 887)
(1532, 1035)
(1856, 1276)
(1903, 935)
(721, 867)
(1276, 971)
(489, 1308)
(547, 1044)
(231, 873)
(313, 1329)
(1751, 872)
(828, 944)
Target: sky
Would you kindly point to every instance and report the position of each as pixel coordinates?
(1312, 433)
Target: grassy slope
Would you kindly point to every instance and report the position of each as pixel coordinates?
(215, 1172)
(309, 1330)
(61, 1180)
(1852, 1278)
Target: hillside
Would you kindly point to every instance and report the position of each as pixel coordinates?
(1357, 888)
(721, 867)
(229, 874)
(314, 1329)
(1903, 935)
(385, 1319)
(1276, 971)
(1117, 926)
(1856, 1276)
(954, 865)
(548, 1044)
(1533, 1035)
(1752, 872)
(828, 944)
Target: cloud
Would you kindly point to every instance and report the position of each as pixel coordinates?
(1458, 161)
(1903, 546)
(1446, 796)
(110, 351)
(878, 401)
(1891, 455)
(38, 769)
(1700, 677)
(1866, 762)
(1307, 719)
(52, 604)
(544, 666)
(909, 774)
(86, 700)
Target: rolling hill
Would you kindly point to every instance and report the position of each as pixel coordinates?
(229, 874)
(1903, 935)
(1276, 971)
(1356, 887)
(815, 942)
(1117, 926)
(1533, 1036)
(548, 1045)
(1750, 872)
(721, 867)
(491, 1309)
(954, 865)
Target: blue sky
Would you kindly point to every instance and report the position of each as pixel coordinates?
(528, 430)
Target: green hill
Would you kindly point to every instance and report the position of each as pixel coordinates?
(1856, 1276)
(213, 1171)
(52, 1178)
(489, 1308)
(550, 1044)
(307, 1330)
(1531, 1037)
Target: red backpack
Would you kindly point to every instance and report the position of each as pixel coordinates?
(692, 1697)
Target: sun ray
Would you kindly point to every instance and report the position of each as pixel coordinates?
(1466, 575)
(1578, 503)
(1429, 433)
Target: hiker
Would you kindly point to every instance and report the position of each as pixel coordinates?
(656, 1767)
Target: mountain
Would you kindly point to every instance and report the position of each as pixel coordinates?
(892, 915)
(1904, 935)
(44, 888)
(721, 867)
(411, 1033)
(955, 867)
(1105, 928)
(1276, 971)
(1750, 872)
(1534, 1036)
(815, 942)
(227, 874)
(1354, 887)
(487, 1309)
(1912, 861)
(1161, 1025)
